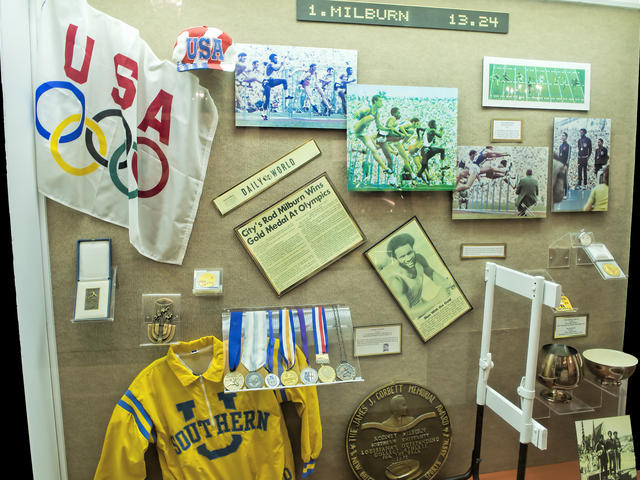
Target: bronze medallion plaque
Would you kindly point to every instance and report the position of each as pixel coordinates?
(91, 298)
(400, 431)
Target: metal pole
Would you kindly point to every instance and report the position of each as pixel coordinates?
(522, 461)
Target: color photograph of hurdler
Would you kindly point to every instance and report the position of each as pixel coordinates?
(500, 183)
(292, 87)
(401, 138)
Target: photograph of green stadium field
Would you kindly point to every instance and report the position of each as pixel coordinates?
(501, 183)
(535, 84)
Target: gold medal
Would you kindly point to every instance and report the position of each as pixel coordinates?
(207, 280)
(289, 378)
(233, 381)
(326, 374)
(611, 270)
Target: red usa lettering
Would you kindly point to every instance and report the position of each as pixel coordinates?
(158, 113)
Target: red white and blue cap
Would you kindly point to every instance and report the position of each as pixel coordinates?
(204, 48)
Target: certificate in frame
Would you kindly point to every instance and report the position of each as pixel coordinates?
(470, 251)
(506, 130)
(570, 326)
(413, 271)
(300, 235)
(374, 340)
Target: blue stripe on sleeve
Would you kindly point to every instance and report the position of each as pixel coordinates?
(131, 410)
(142, 411)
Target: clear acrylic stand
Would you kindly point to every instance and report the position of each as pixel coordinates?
(580, 248)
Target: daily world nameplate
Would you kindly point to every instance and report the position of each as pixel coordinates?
(267, 177)
(369, 13)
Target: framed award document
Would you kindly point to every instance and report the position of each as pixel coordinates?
(377, 340)
(569, 326)
(300, 235)
(418, 279)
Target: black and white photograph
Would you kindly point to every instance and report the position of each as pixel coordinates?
(418, 279)
(605, 449)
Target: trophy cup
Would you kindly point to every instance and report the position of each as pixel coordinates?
(560, 370)
(610, 366)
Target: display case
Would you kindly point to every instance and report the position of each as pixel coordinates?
(163, 144)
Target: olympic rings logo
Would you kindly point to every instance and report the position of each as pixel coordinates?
(91, 126)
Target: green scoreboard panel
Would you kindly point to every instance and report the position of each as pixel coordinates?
(338, 11)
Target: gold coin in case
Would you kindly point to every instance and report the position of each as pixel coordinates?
(207, 280)
(611, 270)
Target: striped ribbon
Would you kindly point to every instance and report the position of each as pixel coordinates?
(320, 331)
(270, 344)
(303, 333)
(254, 348)
(287, 337)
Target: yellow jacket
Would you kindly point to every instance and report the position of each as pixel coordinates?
(200, 432)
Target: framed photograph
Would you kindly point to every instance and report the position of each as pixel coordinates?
(523, 83)
(581, 149)
(418, 279)
(300, 235)
(377, 340)
(605, 448)
(506, 131)
(501, 183)
(570, 326)
(293, 87)
(401, 138)
(470, 251)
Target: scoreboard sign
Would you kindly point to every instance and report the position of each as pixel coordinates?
(338, 11)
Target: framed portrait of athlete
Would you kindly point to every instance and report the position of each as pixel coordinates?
(415, 274)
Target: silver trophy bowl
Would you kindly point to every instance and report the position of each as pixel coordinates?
(609, 366)
(560, 370)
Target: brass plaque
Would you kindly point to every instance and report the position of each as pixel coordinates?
(400, 431)
(91, 298)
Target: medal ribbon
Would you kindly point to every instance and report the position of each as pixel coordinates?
(271, 344)
(287, 337)
(320, 330)
(254, 349)
(303, 333)
(235, 339)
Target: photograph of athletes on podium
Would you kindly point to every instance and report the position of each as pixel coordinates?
(401, 138)
(583, 146)
(500, 182)
(299, 87)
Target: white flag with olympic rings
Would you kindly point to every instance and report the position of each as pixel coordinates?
(120, 134)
